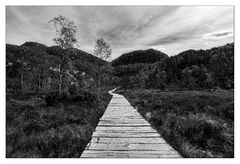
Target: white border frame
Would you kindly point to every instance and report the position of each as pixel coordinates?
(5, 3)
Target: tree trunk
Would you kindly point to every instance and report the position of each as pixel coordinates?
(49, 83)
(22, 78)
(60, 81)
(39, 82)
(99, 87)
(61, 72)
(99, 81)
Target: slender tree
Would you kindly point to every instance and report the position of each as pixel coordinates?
(103, 51)
(23, 60)
(65, 38)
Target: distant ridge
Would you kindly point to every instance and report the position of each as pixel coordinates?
(140, 56)
(34, 45)
(38, 47)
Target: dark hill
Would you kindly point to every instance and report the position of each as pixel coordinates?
(36, 65)
(76, 54)
(35, 46)
(140, 56)
(189, 70)
(85, 57)
(202, 57)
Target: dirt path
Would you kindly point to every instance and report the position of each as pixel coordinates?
(123, 133)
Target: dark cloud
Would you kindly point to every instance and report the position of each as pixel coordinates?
(217, 35)
(176, 37)
(221, 34)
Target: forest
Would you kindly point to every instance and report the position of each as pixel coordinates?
(189, 70)
(34, 68)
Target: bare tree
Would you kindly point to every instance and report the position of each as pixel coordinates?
(103, 51)
(65, 38)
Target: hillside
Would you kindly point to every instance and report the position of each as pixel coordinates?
(36, 46)
(202, 57)
(77, 55)
(36, 65)
(139, 56)
(41, 121)
(191, 69)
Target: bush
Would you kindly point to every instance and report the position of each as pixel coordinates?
(51, 99)
(199, 131)
(81, 96)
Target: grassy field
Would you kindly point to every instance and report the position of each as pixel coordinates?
(37, 129)
(196, 123)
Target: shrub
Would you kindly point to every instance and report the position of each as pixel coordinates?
(51, 99)
(196, 123)
(60, 130)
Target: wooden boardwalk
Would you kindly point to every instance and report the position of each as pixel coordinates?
(123, 133)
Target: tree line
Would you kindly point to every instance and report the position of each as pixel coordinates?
(192, 69)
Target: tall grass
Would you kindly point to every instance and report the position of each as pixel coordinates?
(197, 124)
(55, 130)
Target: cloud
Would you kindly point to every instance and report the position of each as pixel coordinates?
(218, 35)
(176, 37)
(126, 28)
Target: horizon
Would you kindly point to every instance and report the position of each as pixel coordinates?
(134, 50)
(127, 28)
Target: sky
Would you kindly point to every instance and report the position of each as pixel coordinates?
(170, 29)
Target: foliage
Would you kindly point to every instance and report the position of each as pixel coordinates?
(40, 122)
(197, 124)
(41, 68)
(65, 38)
(60, 130)
(103, 51)
(140, 56)
(65, 32)
(192, 69)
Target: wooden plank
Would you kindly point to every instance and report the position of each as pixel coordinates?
(126, 128)
(122, 113)
(122, 116)
(123, 108)
(126, 135)
(127, 114)
(122, 121)
(124, 131)
(125, 154)
(120, 125)
(129, 146)
(127, 140)
(133, 152)
(117, 118)
(121, 155)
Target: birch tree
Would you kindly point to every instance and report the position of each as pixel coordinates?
(103, 51)
(65, 38)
